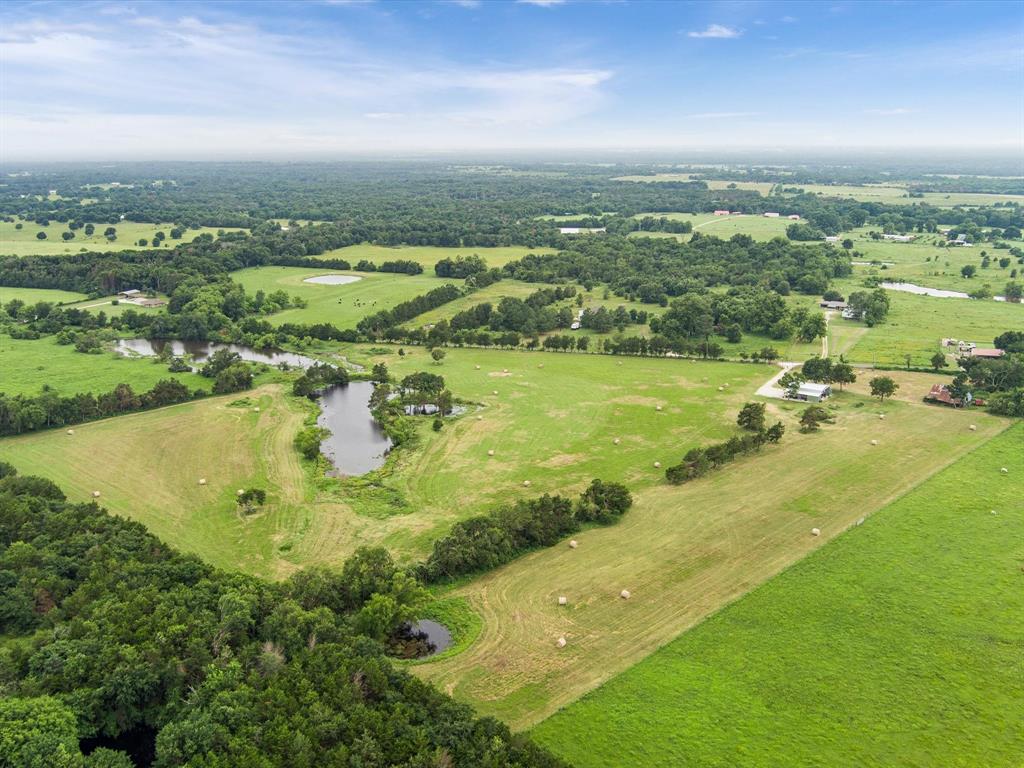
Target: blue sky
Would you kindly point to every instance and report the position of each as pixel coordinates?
(278, 79)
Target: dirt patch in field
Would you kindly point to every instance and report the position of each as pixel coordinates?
(561, 460)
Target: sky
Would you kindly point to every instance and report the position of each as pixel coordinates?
(233, 80)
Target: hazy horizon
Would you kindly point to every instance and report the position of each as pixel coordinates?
(99, 81)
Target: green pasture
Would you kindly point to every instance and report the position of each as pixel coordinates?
(341, 305)
(429, 255)
(24, 241)
(758, 227)
(898, 643)
(27, 365)
(35, 295)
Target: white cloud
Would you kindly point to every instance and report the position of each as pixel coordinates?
(718, 31)
(465, 3)
(541, 3)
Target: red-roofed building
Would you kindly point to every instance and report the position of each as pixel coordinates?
(721, 213)
(939, 393)
(988, 353)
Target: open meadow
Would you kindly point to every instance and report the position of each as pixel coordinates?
(428, 255)
(898, 643)
(26, 365)
(25, 241)
(341, 305)
(35, 295)
(758, 227)
(685, 551)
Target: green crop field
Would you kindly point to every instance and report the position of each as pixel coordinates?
(758, 227)
(341, 305)
(682, 552)
(429, 255)
(26, 365)
(24, 241)
(899, 643)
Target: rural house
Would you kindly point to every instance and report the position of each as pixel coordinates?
(832, 304)
(812, 392)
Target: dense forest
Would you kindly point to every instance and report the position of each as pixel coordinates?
(127, 648)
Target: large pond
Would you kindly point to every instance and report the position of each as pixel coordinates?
(201, 350)
(921, 290)
(357, 444)
(332, 279)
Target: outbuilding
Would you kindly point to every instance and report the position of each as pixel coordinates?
(812, 392)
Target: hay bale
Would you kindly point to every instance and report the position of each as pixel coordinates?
(540, 365)
(256, 409)
(973, 427)
(504, 370)
(478, 367)
(881, 417)
(95, 494)
(721, 389)
(573, 544)
(657, 407)
(624, 594)
(490, 452)
(615, 441)
(815, 531)
(704, 379)
(620, 362)
(657, 465)
(526, 483)
(874, 442)
(561, 642)
(726, 385)
(479, 418)
(202, 481)
(71, 431)
(240, 491)
(1004, 470)
(494, 391)
(563, 600)
(860, 521)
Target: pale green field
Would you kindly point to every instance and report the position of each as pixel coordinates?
(758, 227)
(341, 305)
(492, 293)
(26, 365)
(897, 644)
(896, 194)
(684, 552)
(429, 255)
(23, 242)
(35, 295)
(763, 187)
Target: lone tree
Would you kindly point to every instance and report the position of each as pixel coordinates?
(842, 373)
(751, 417)
(437, 354)
(813, 417)
(251, 499)
(938, 361)
(883, 387)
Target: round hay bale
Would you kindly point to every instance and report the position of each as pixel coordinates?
(202, 481)
(1004, 470)
(615, 441)
(657, 465)
(563, 600)
(240, 491)
(95, 494)
(526, 483)
(874, 442)
(726, 385)
(71, 431)
(721, 389)
(504, 370)
(860, 521)
(478, 367)
(561, 642)
(881, 417)
(540, 365)
(490, 452)
(479, 418)
(620, 362)
(704, 379)
(973, 427)
(815, 531)
(256, 409)
(573, 544)
(625, 594)
(657, 407)
(494, 391)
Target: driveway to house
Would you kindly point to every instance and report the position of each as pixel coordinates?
(769, 388)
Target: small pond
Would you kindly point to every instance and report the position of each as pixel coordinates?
(420, 640)
(921, 290)
(357, 444)
(332, 279)
(200, 351)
